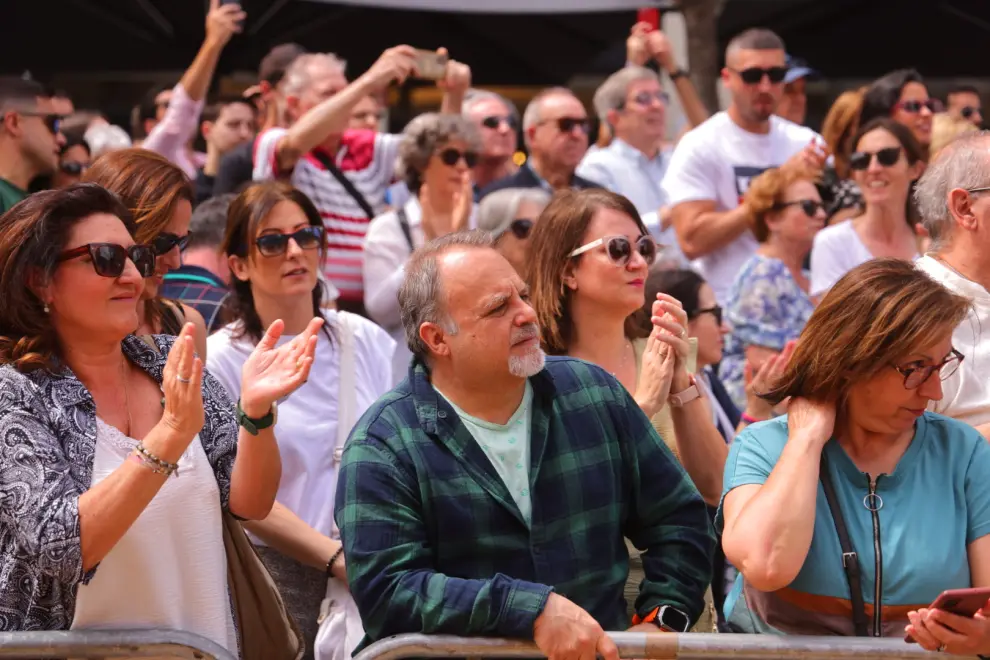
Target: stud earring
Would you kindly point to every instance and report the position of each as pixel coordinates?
(46, 308)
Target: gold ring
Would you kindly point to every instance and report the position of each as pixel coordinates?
(299, 365)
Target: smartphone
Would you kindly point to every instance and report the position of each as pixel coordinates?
(430, 65)
(649, 15)
(964, 602)
(233, 2)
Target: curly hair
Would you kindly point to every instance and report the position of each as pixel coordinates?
(33, 234)
(767, 191)
(244, 218)
(423, 136)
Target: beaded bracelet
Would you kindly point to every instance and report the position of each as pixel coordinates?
(333, 560)
(165, 465)
(141, 460)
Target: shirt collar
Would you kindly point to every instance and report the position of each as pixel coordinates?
(626, 150)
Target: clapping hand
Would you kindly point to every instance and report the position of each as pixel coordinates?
(272, 373)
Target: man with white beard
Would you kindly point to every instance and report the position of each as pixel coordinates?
(490, 492)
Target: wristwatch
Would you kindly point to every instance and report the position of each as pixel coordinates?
(253, 426)
(678, 73)
(686, 396)
(668, 619)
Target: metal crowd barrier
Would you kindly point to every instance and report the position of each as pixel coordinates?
(92, 644)
(659, 646)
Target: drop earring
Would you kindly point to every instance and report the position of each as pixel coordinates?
(46, 308)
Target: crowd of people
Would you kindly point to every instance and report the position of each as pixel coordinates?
(724, 381)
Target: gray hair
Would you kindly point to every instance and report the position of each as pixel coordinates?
(533, 113)
(613, 92)
(104, 138)
(421, 296)
(963, 163)
(498, 209)
(754, 39)
(477, 96)
(298, 75)
(209, 222)
(423, 136)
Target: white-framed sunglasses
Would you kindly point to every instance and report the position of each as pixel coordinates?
(619, 249)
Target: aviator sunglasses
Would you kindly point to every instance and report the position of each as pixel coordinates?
(273, 245)
(619, 249)
(109, 259)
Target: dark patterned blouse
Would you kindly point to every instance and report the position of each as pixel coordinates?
(47, 446)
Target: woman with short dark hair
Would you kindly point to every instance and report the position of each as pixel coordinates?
(113, 494)
(858, 446)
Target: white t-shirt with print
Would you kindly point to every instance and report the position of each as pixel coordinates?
(966, 393)
(716, 162)
(306, 430)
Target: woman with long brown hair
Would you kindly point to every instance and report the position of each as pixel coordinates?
(159, 196)
(857, 447)
(113, 496)
(590, 259)
(275, 243)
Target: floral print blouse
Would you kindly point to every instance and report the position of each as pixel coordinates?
(47, 446)
(766, 308)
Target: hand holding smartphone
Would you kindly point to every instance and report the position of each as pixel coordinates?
(431, 65)
(961, 602)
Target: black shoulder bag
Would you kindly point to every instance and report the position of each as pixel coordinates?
(400, 213)
(850, 560)
(348, 185)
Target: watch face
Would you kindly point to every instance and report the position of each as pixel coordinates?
(673, 620)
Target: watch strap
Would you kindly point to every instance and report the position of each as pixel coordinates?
(678, 73)
(252, 425)
(686, 396)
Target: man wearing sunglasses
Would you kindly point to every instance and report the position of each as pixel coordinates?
(555, 129)
(713, 164)
(498, 121)
(963, 102)
(953, 198)
(30, 137)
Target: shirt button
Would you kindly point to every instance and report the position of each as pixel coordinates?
(442, 414)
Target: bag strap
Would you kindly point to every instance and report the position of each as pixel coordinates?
(347, 397)
(850, 560)
(404, 226)
(342, 179)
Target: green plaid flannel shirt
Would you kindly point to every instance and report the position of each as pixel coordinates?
(435, 543)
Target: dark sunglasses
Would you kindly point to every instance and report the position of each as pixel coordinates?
(52, 121)
(73, 168)
(809, 206)
(887, 157)
(969, 111)
(165, 242)
(754, 75)
(915, 107)
(568, 124)
(915, 377)
(619, 249)
(521, 227)
(273, 245)
(109, 259)
(494, 121)
(715, 311)
(451, 156)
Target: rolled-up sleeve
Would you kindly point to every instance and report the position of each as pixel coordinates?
(171, 135)
(39, 499)
(390, 565)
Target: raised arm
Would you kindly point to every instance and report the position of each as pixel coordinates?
(769, 517)
(660, 50)
(390, 564)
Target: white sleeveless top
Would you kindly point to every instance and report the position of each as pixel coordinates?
(169, 570)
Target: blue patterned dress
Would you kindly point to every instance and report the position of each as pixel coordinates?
(766, 308)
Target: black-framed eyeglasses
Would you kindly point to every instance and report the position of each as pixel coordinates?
(715, 311)
(915, 377)
(861, 160)
(969, 111)
(165, 242)
(521, 227)
(51, 120)
(451, 156)
(274, 245)
(109, 259)
(495, 121)
(754, 75)
(809, 206)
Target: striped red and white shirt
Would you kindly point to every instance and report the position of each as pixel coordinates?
(368, 160)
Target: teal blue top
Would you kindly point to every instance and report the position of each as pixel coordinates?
(934, 504)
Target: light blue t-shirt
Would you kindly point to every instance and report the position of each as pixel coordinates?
(935, 503)
(507, 447)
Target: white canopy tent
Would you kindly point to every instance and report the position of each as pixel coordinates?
(505, 6)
